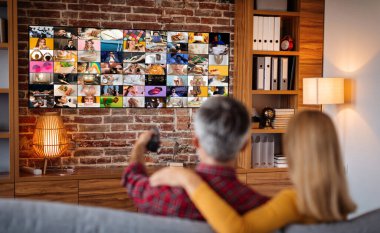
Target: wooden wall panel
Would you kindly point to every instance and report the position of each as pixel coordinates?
(311, 43)
(7, 190)
(61, 191)
(104, 193)
(269, 183)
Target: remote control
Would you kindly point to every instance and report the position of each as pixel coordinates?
(154, 142)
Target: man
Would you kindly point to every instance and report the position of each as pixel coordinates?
(221, 130)
(70, 46)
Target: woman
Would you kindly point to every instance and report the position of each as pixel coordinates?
(41, 44)
(89, 46)
(320, 188)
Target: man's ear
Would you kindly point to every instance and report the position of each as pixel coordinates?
(196, 142)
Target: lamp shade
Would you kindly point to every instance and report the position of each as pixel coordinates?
(323, 90)
(50, 137)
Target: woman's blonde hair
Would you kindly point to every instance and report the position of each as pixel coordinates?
(316, 168)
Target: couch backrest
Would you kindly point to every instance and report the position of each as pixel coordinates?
(366, 223)
(36, 217)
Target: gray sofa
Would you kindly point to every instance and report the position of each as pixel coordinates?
(34, 216)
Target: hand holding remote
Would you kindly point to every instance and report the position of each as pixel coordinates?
(154, 142)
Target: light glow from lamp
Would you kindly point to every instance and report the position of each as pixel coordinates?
(323, 90)
(50, 137)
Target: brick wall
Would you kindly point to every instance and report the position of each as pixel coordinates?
(104, 137)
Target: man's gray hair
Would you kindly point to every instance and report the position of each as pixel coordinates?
(221, 125)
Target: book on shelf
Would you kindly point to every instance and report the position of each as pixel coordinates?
(273, 73)
(280, 161)
(3, 30)
(266, 33)
(262, 151)
(282, 117)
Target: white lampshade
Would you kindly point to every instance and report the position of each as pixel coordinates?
(323, 90)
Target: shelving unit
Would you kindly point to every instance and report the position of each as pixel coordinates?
(7, 102)
(304, 22)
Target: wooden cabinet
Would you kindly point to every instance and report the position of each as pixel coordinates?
(268, 181)
(8, 92)
(104, 193)
(61, 191)
(7, 190)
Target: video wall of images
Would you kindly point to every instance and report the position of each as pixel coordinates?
(91, 67)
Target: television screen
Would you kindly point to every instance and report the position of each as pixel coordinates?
(91, 67)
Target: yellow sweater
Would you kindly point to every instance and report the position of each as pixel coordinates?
(276, 213)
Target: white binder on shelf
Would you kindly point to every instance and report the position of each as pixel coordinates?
(267, 73)
(277, 27)
(270, 152)
(260, 33)
(274, 84)
(264, 151)
(255, 31)
(266, 36)
(271, 33)
(284, 73)
(260, 73)
(256, 151)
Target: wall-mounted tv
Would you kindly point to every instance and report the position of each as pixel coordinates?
(91, 67)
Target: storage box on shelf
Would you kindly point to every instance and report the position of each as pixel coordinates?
(305, 58)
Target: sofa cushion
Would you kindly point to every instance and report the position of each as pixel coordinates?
(36, 216)
(366, 223)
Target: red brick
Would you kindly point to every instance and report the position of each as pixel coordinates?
(199, 28)
(69, 161)
(71, 127)
(118, 127)
(87, 160)
(212, 13)
(70, 15)
(118, 119)
(27, 120)
(183, 127)
(207, 5)
(168, 3)
(118, 17)
(147, 3)
(120, 2)
(83, 7)
(94, 16)
(141, 17)
(223, 22)
(111, 8)
(87, 136)
(121, 25)
(95, 1)
(118, 111)
(208, 20)
(173, 27)
(118, 151)
(127, 135)
(142, 119)
(69, 111)
(166, 127)
(49, 5)
(94, 128)
(118, 143)
(45, 21)
(93, 143)
(175, 11)
(94, 111)
(140, 127)
(44, 14)
(85, 120)
(229, 29)
(88, 152)
(229, 14)
(119, 159)
(103, 160)
(70, 1)
(193, 20)
(148, 26)
(183, 119)
(162, 119)
(224, 7)
(147, 10)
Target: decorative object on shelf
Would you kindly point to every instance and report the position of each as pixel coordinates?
(268, 115)
(287, 43)
(50, 137)
(323, 90)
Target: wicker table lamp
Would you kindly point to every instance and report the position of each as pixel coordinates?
(50, 137)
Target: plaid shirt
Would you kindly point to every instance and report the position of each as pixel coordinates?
(168, 201)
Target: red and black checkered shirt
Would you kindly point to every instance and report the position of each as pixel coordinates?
(168, 201)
